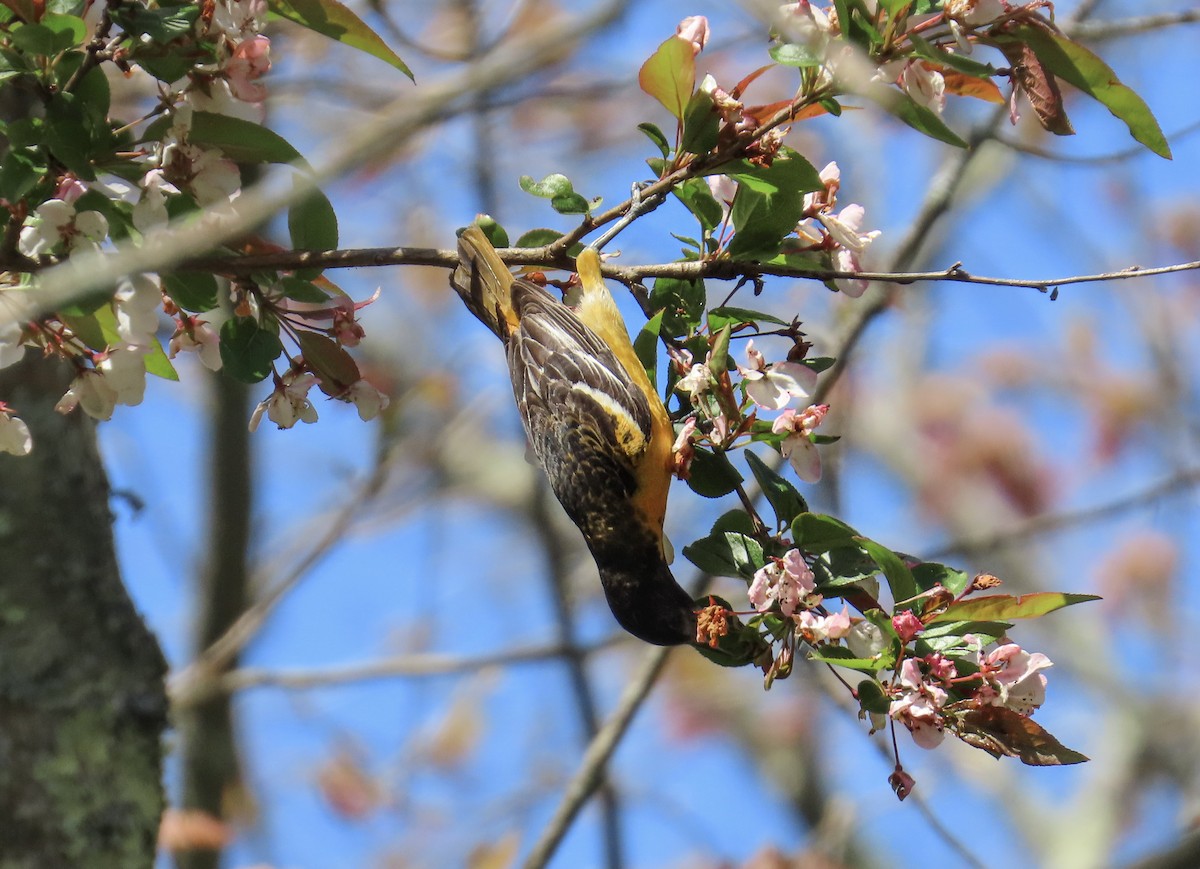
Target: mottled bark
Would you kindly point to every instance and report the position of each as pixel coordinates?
(82, 699)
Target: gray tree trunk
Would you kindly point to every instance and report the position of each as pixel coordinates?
(82, 701)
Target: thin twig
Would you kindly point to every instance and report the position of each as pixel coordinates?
(197, 676)
(591, 770)
(1039, 525)
(404, 666)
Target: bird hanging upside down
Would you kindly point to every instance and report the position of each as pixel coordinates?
(597, 427)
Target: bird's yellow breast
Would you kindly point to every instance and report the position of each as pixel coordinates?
(598, 311)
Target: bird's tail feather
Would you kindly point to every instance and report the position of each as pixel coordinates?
(484, 283)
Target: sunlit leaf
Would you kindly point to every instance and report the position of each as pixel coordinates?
(669, 75)
(1002, 607)
(330, 18)
(1002, 732)
(1078, 66)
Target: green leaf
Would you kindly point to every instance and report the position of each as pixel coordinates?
(67, 136)
(40, 40)
(241, 141)
(86, 327)
(669, 75)
(922, 119)
(491, 228)
(791, 54)
(682, 304)
(855, 21)
(719, 318)
(646, 347)
(70, 29)
(946, 637)
(1002, 607)
(247, 351)
(780, 494)
(871, 697)
(303, 291)
(712, 474)
(538, 238)
(960, 62)
(694, 194)
(312, 225)
(334, 367)
(162, 25)
(1077, 66)
(558, 189)
(93, 93)
(158, 364)
(815, 532)
(928, 574)
(192, 291)
(769, 203)
(843, 657)
(19, 173)
(655, 135)
(332, 19)
(735, 520)
(726, 553)
(701, 124)
(895, 571)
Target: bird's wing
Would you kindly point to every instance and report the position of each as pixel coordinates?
(584, 416)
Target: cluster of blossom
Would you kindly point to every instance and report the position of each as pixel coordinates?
(768, 386)
(816, 29)
(235, 55)
(927, 693)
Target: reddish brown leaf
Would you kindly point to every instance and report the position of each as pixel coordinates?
(1039, 85)
(969, 86)
(1003, 732)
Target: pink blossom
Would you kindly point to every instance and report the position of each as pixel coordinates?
(205, 172)
(845, 230)
(787, 581)
(919, 706)
(926, 86)
(368, 400)
(288, 403)
(826, 197)
(92, 392)
(683, 450)
(57, 225)
(237, 19)
(941, 668)
(797, 446)
(250, 62)
(817, 628)
(69, 189)
(973, 13)
(694, 29)
(1014, 677)
(907, 625)
(197, 336)
(773, 386)
(697, 381)
(14, 433)
(124, 370)
(136, 304)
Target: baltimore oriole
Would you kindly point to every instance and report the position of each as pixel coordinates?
(597, 427)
